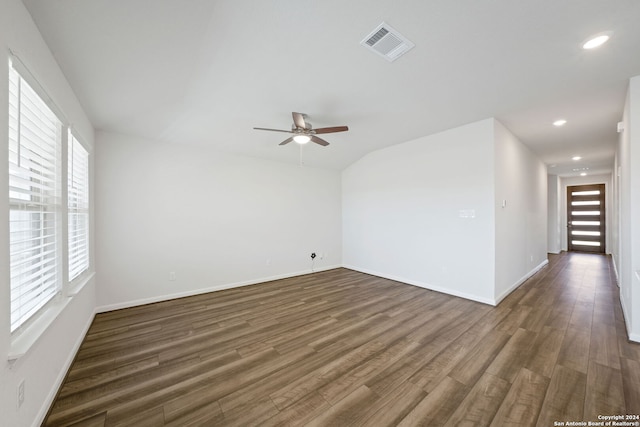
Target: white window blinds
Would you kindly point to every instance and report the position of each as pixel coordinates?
(34, 199)
(78, 204)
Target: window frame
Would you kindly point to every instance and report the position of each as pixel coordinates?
(24, 335)
(35, 157)
(78, 207)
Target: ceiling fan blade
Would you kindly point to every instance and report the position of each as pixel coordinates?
(286, 141)
(298, 120)
(318, 140)
(332, 129)
(274, 130)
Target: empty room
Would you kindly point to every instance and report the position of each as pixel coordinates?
(327, 213)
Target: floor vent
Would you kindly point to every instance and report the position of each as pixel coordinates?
(387, 42)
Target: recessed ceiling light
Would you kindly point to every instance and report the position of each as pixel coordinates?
(560, 122)
(597, 40)
(576, 158)
(583, 174)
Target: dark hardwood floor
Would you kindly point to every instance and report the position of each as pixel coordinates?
(344, 348)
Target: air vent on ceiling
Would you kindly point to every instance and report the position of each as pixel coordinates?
(387, 42)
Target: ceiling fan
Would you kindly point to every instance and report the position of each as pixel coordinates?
(303, 132)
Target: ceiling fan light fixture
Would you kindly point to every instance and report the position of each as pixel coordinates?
(302, 139)
(596, 40)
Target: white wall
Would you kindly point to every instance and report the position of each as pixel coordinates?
(521, 212)
(215, 219)
(614, 232)
(628, 160)
(634, 190)
(553, 215)
(44, 366)
(402, 209)
(429, 212)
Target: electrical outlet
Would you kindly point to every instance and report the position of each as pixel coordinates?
(172, 275)
(20, 393)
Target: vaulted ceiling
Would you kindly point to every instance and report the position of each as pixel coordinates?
(206, 72)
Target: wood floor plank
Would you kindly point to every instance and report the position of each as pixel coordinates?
(323, 375)
(436, 408)
(511, 323)
(300, 413)
(630, 380)
(214, 385)
(98, 420)
(398, 373)
(134, 394)
(461, 354)
(348, 410)
(345, 384)
(149, 418)
(574, 350)
(281, 378)
(340, 347)
(522, 404)
(545, 351)
(209, 414)
(72, 386)
(391, 408)
(509, 358)
(481, 404)
(604, 345)
(253, 413)
(565, 397)
(475, 363)
(604, 393)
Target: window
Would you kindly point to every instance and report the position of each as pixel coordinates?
(78, 205)
(35, 135)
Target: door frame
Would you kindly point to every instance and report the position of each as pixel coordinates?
(603, 215)
(561, 207)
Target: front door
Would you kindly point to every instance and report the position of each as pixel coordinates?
(585, 218)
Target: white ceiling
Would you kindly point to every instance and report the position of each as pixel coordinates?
(207, 72)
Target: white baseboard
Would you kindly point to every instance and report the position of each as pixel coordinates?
(521, 281)
(615, 269)
(423, 285)
(159, 298)
(627, 316)
(453, 292)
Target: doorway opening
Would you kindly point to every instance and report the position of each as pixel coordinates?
(585, 218)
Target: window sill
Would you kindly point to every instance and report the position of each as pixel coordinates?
(24, 340)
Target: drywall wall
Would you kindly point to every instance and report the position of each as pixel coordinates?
(628, 161)
(213, 220)
(43, 367)
(634, 185)
(520, 212)
(608, 202)
(553, 214)
(422, 212)
(614, 214)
